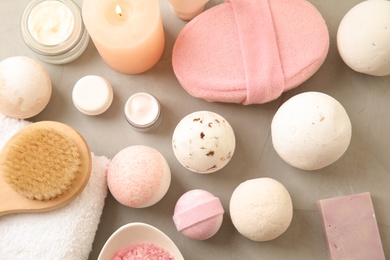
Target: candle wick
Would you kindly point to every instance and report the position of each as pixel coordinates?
(119, 12)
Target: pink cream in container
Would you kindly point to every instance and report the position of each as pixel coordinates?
(143, 112)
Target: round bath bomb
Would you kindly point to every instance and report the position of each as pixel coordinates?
(363, 38)
(138, 176)
(261, 209)
(198, 214)
(25, 87)
(311, 130)
(203, 142)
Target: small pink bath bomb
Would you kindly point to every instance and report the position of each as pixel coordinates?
(198, 214)
(138, 176)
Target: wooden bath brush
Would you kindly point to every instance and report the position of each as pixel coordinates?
(43, 167)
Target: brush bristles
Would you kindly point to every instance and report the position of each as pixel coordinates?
(42, 164)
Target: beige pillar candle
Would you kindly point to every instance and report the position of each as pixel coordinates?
(128, 34)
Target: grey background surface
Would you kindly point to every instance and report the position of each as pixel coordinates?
(364, 167)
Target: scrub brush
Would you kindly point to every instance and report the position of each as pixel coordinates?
(43, 166)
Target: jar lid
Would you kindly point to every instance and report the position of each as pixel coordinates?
(92, 95)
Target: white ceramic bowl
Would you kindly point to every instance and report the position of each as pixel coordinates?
(135, 233)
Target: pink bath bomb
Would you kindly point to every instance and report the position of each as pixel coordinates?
(198, 214)
(138, 176)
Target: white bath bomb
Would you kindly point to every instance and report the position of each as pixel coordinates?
(203, 142)
(363, 38)
(311, 130)
(25, 87)
(261, 209)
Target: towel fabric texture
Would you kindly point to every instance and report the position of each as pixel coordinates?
(250, 51)
(66, 233)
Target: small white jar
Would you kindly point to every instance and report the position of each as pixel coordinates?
(54, 30)
(92, 95)
(143, 112)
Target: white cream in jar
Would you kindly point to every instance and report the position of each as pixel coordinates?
(54, 30)
(50, 22)
(143, 111)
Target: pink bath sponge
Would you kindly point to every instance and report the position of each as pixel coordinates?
(256, 50)
(138, 176)
(198, 214)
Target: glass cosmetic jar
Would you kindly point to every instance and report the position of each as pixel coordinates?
(54, 30)
(143, 112)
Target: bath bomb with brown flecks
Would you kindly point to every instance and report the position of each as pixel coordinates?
(311, 131)
(25, 87)
(203, 142)
(138, 176)
(261, 209)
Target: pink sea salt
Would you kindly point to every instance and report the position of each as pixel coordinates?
(142, 251)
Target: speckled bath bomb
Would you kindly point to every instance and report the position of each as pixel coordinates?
(363, 38)
(203, 142)
(138, 176)
(25, 87)
(198, 214)
(311, 130)
(261, 209)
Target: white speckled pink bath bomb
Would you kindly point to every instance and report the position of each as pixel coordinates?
(198, 214)
(261, 209)
(138, 176)
(25, 87)
(311, 130)
(203, 142)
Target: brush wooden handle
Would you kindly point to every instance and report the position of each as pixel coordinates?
(13, 202)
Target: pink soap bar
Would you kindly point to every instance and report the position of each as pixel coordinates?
(350, 226)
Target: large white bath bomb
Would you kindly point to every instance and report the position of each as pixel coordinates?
(311, 130)
(25, 87)
(203, 142)
(363, 38)
(261, 209)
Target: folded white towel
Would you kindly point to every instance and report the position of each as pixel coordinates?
(65, 233)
